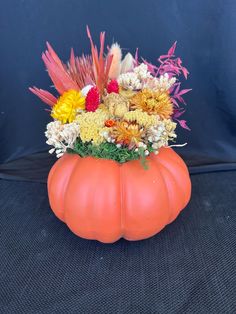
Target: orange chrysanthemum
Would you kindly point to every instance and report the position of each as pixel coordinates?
(110, 123)
(153, 103)
(127, 133)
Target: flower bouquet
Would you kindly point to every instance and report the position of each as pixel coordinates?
(117, 176)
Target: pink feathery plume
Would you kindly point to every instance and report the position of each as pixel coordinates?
(44, 95)
(115, 67)
(101, 65)
(57, 71)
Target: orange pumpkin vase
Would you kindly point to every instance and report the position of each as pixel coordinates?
(104, 200)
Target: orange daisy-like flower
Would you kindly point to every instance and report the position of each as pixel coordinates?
(153, 102)
(127, 133)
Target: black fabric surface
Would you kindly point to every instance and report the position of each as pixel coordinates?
(35, 167)
(190, 267)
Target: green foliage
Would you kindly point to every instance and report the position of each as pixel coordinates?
(109, 151)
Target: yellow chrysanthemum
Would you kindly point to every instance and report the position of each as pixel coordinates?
(153, 102)
(91, 124)
(141, 117)
(67, 106)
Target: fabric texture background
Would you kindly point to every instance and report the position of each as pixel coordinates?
(204, 29)
(190, 267)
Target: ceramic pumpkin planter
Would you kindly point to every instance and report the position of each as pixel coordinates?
(104, 200)
(114, 115)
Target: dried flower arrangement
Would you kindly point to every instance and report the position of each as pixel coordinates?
(113, 108)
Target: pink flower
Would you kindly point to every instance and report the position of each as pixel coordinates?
(113, 87)
(92, 99)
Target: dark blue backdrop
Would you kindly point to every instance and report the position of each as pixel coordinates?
(204, 29)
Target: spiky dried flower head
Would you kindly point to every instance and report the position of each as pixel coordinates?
(117, 104)
(80, 69)
(67, 106)
(157, 102)
(127, 133)
(101, 65)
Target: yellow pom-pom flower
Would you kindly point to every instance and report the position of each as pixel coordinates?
(91, 125)
(67, 106)
(142, 118)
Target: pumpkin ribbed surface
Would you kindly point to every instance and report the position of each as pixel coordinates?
(104, 200)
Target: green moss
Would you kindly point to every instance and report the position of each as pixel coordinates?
(109, 151)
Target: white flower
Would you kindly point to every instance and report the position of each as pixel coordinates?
(135, 80)
(61, 136)
(142, 72)
(51, 151)
(86, 89)
(160, 134)
(142, 145)
(129, 81)
(162, 83)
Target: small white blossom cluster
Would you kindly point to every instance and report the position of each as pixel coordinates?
(144, 146)
(141, 78)
(107, 136)
(61, 136)
(129, 81)
(162, 83)
(142, 72)
(160, 134)
(134, 80)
